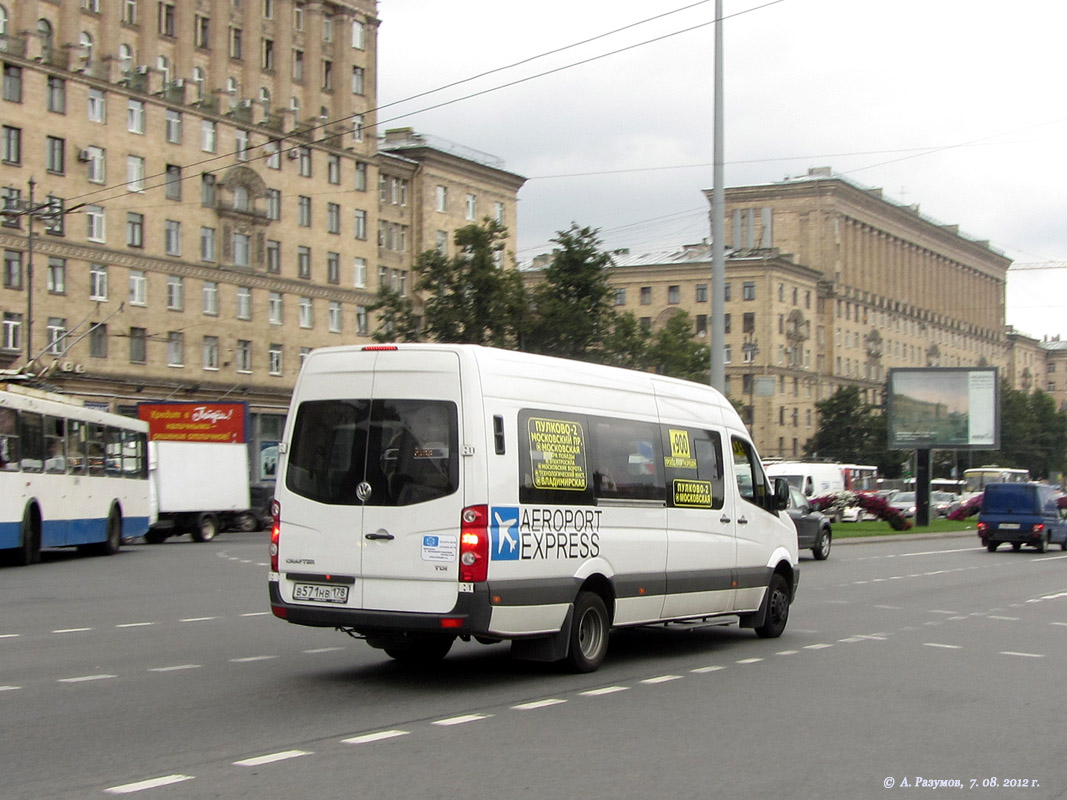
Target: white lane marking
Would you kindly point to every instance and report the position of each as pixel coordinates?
(135, 625)
(72, 630)
(322, 650)
(152, 783)
(1021, 655)
(175, 668)
(367, 738)
(461, 720)
(555, 701)
(820, 646)
(1056, 596)
(942, 611)
(9, 635)
(271, 758)
(605, 690)
(710, 668)
(945, 646)
(661, 679)
(9, 688)
(1008, 619)
(197, 619)
(787, 652)
(1059, 623)
(930, 553)
(749, 660)
(257, 614)
(251, 658)
(84, 678)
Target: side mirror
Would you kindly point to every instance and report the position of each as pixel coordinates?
(781, 494)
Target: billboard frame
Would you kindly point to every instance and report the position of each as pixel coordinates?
(975, 384)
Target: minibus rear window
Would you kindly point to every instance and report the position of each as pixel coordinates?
(377, 453)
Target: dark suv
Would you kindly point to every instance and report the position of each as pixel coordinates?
(813, 527)
(1021, 513)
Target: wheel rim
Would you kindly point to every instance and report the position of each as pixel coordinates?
(779, 608)
(590, 634)
(824, 545)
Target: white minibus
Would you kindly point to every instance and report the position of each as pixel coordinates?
(427, 492)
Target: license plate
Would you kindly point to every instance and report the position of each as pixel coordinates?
(319, 593)
(1009, 526)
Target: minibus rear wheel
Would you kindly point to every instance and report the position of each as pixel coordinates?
(589, 633)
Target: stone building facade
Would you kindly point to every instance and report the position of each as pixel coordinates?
(227, 203)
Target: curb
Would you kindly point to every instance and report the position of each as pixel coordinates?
(842, 540)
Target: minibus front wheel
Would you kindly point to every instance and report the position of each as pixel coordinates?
(589, 633)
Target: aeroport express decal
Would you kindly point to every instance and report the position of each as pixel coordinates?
(545, 534)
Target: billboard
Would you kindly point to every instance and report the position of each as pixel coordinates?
(194, 422)
(944, 408)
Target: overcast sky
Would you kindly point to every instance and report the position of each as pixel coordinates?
(952, 104)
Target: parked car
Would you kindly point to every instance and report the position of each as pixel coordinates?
(813, 527)
(904, 502)
(1021, 513)
(943, 503)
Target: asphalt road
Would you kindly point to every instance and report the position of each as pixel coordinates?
(160, 673)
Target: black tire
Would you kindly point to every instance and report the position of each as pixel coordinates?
(821, 549)
(777, 609)
(207, 528)
(421, 651)
(1063, 545)
(992, 546)
(30, 550)
(588, 642)
(1016, 546)
(113, 543)
(155, 537)
(248, 522)
(1042, 544)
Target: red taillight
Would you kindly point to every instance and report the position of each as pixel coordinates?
(370, 348)
(474, 544)
(275, 532)
(1039, 527)
(983, 526)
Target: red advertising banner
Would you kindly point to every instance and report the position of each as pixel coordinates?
(194, 422)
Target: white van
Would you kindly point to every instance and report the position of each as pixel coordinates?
(430, 491)
(813, 478)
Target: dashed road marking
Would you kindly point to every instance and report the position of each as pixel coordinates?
(11, 635)
(197, 619)
(135, 625)
(86, 678)
(461, 720)
(749, 660)
(380, 736)
(1021, 655)
(661, 679)
(944, 646)
(9, 688)
(604, 690)
(249, 659)
(72, 630)
(322, 650)
(554, 701)
(820, 646)
(175, 668)
(257, 614)
(271, 758)
(152, 783)
(709, 668)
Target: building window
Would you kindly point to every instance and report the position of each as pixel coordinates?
(274, 256)
(748, 322)
(57, 332)
(361, 320)
(210, 350)
(361, 176)
(138, 345)
(57, 275)
(12, 83)
(98, 340)
(471, 207)
(274, 359)
(207, 244)
(702, 293)
(242, 249)
(267, 59)
(273, 149)
(175, 292)
(12, 269)
(135, 116)
(274, 204)
(303, 262)
(208, 196)
(129, 12)
(57, 95)
(202, 31)
(209, 135)
(334, 317)
(173, 182)
(172, 237)
(11, 145)
(134, 229)
(96, 172)
(303, 161)
(359, 269)
(241, 142)
(359, 35)
(303, 206)
(307, 314)
(175, 349)
(441, 242)
(211, 298)
(236, 43)
(95, 221)
(327, 75)
(97, 106)
(748, 290)
(298, 66)
(333, 267)
(440, 198)
(274, 308)
(138, 287)
(244, 303)
(174, 126)
(646, 295)
(97, 282)
(166, 19)
(333, 217)
(358, 80)
(361, 224)
(333, 168)
(134, 174)
(674, 294)
(243, 356)
(620, 296)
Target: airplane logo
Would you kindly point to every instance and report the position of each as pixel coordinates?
(505, 534)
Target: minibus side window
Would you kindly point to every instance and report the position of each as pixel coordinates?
(694, 467)
(627, 463)
(752, 482)
(554, 458)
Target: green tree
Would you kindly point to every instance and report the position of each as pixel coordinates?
(574, 315)
(675, 352)
(853, 431)
(467, 298)
(1033, 434)
(397, 320)
(626, 344)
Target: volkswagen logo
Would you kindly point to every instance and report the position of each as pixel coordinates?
(363, 491)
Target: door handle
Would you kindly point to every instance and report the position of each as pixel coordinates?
(742, 521)
(379, 535)
(724, 519)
